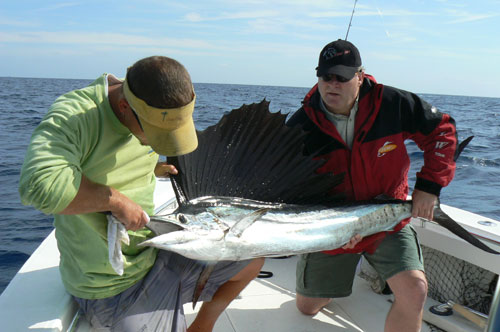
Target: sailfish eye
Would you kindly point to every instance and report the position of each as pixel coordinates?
(182, 219)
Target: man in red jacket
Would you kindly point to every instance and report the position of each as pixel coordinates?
(359, 128)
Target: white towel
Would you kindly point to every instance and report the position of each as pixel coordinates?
(117, 233)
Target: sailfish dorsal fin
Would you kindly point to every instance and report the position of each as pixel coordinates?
(251, 153)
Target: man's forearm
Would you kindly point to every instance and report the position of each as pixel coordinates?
(92, 197)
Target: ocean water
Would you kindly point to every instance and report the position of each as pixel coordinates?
(24, 101)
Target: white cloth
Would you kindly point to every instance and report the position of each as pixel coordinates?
(117, 233)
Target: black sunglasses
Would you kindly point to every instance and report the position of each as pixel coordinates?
(137, 117)
(338, 78)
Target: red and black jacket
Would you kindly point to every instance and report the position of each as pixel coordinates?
(378, 162)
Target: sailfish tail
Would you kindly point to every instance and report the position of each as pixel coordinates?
(447, 222)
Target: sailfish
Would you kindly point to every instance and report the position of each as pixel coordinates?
(249, 191)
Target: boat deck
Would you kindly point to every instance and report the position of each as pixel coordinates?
(268, 304)
(36, 300)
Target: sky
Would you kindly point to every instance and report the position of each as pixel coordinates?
(436, 47)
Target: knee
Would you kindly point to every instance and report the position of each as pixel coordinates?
(419, 289)
(253, 268)
(414, 293)
(256, 264)
(250, 271)
(310, 306)
(306, 309)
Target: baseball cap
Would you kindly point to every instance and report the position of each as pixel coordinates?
(169, 131)
(340, 58)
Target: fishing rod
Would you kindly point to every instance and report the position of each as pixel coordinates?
(349, 27)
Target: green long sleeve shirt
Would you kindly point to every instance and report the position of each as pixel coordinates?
(81, 135)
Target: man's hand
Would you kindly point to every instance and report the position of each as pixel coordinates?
(353, 242)
(128, 212)
(423, 204)
(163, 170)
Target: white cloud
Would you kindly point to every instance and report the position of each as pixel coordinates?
(61, 5)
(195, 17)
(96, 38)
(17, 23)
(463, 18)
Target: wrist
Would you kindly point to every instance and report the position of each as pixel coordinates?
(428, 186)
(115, 201)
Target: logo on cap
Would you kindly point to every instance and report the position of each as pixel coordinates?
(331, 52)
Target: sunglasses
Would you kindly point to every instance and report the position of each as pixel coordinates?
(137, 117)
(338, 78)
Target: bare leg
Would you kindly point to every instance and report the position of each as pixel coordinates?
(410, 291)
(311, 305)
(210, 311)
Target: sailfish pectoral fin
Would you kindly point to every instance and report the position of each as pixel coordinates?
(202, 281)
(447, 222)
(238, 228)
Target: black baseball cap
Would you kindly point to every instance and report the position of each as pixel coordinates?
(340, 58)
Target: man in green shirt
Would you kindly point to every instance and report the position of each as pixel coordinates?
(95, 151)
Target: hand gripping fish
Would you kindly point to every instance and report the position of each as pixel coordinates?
(249, 191)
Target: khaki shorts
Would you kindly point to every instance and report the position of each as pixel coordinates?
(330, 276)
(156, 302)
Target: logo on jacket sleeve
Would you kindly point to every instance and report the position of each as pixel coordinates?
(387, 147)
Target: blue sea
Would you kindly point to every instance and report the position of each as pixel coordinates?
(24, 101)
